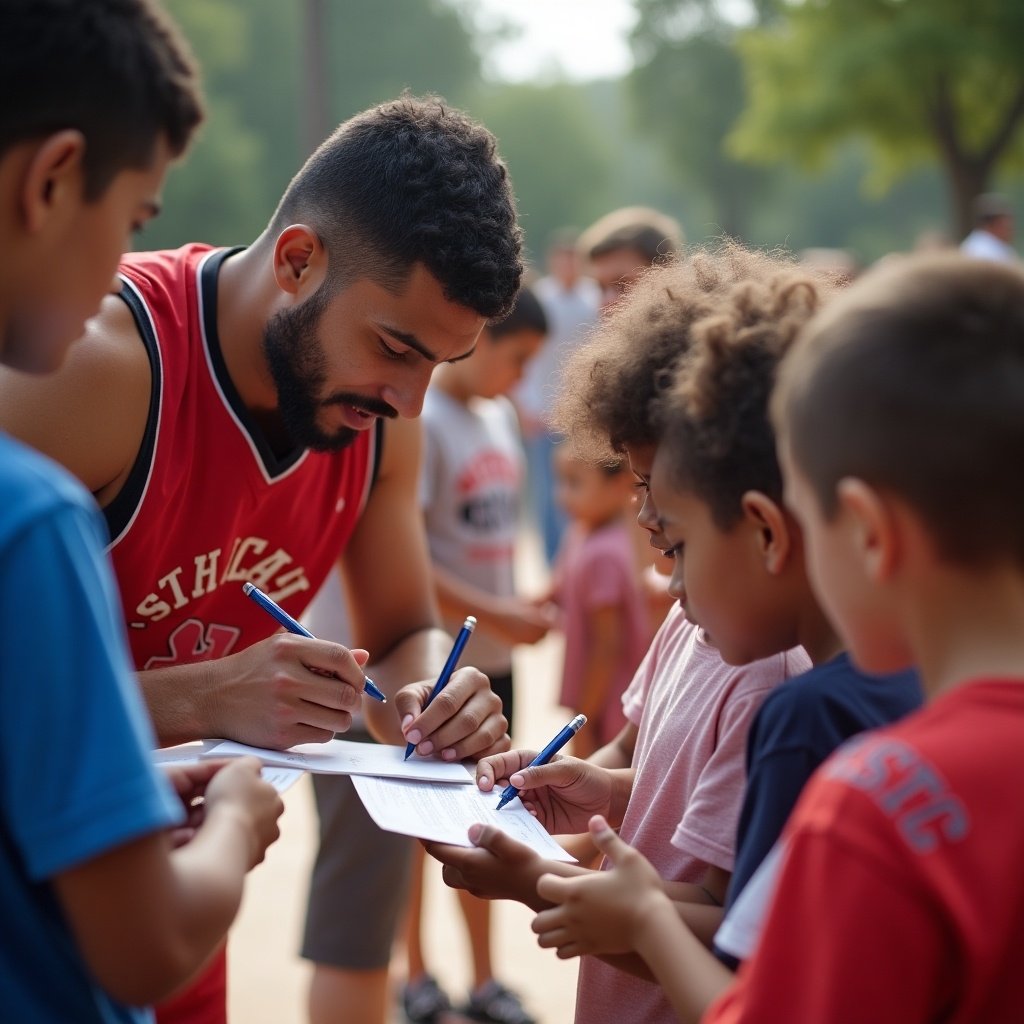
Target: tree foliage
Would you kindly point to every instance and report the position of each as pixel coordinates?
(688, 91)
(557, 155)
(918, 79)
(253, 67)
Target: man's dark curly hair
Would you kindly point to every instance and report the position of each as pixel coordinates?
(413, 181)
(716, 434)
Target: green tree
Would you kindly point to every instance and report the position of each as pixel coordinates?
(558, 156)
(920, 80)
(687, 88)
(256, 66)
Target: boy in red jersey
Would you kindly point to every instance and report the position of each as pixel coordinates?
(899, 432)
(246, 415)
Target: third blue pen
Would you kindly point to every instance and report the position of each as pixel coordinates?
(509, 793)
(449, 667)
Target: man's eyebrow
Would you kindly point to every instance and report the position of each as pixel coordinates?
(152, 207)
(414, 343)
(409, 339)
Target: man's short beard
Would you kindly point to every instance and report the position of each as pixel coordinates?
(298, 367)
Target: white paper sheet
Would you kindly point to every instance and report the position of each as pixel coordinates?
(281, 779)
(345, 757)
(444, 813)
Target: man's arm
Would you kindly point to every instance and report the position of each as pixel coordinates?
(389, 590)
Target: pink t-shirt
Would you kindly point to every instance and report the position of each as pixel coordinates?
(597, 570)
(693, 712)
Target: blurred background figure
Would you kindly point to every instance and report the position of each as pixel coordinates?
(839, 264)
(624, 243)
(618, 248)
(992, 236)
(570, 302)
(596, 587)
(470, 481)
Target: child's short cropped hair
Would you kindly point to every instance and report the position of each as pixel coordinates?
(713, 421)
(913, 381)
(609, 383)
(527, 314)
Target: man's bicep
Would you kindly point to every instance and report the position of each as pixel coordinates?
(91, 414)
(386, 566)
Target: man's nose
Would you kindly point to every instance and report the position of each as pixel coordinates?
(406, 396)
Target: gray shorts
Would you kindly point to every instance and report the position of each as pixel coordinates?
(360, 881)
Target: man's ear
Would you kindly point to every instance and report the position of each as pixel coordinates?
(872, 525)
(300, 260)
(53, 178)
(775, 529)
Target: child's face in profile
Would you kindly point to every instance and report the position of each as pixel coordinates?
(641, 459)
(718, 576)
(498, 364)
(80, 245)
(588, 494)
(834, 552)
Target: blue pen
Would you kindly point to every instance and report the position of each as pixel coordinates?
(509, 793)
(294, 626)
(449, 667)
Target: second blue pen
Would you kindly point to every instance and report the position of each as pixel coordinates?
(509, 793)
(273, 609)
(449, 667)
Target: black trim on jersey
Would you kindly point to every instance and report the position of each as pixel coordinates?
(378, 452)
(119, 512)
(273, 464)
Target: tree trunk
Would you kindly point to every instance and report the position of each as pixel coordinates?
(967, 179)
(315, 117)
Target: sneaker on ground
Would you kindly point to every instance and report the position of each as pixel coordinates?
(492, 1003)
(424, 1001)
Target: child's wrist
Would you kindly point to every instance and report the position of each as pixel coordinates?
(654, 915)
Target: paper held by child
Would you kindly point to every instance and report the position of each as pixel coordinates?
(443, 814)
(344, 757)
(282, 779)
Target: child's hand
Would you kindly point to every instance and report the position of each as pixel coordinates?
(238, 786)
(601, 912)
(519, 621)
(496, 867)
(189, 782)
(563, 795)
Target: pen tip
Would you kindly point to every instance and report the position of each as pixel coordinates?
(247, 588)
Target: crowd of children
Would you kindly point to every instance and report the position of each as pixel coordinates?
(767, 822)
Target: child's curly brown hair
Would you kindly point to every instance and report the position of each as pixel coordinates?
(715, 430)
(610, 384)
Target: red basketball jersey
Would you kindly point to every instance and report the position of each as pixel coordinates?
(208, 505)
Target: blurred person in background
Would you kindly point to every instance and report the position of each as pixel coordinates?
(623, 244)
(992, 237)
(619, 247)
(570, 302)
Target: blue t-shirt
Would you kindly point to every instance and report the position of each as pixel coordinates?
(799, 725)
(75, 774)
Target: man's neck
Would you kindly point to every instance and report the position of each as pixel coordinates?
(244, 305)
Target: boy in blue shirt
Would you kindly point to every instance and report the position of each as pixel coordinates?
(106, 909)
